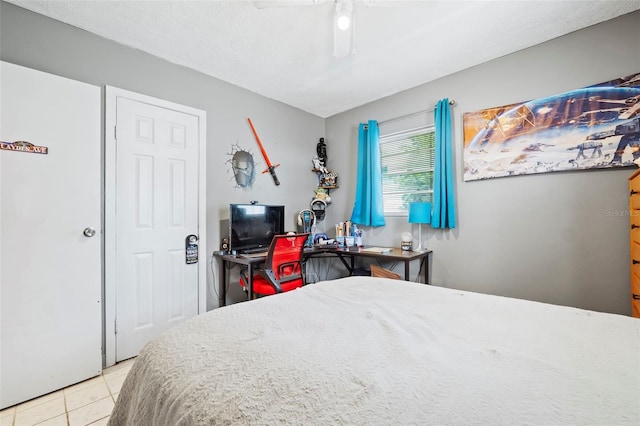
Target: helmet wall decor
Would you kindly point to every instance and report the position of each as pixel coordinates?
(242, 166)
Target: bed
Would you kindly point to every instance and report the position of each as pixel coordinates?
(375, 351)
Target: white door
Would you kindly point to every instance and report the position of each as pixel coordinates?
(157, 182)
(50, 272)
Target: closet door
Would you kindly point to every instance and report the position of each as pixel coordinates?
(50, 233)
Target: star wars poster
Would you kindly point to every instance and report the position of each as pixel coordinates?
(590, 128)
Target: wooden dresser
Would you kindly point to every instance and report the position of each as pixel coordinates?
(634, 218)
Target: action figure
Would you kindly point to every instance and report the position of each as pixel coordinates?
(321, 150)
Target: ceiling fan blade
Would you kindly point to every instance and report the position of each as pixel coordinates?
(267, 4)
(395, 3)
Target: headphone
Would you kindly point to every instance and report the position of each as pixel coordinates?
(301, 217)
(318, 206)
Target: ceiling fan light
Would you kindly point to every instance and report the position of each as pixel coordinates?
(344, 14)
(343, 22)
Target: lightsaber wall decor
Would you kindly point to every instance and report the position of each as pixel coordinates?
(270, 167)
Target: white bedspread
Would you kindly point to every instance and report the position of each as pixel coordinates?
(372, 351)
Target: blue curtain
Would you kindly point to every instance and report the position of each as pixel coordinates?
(368, 208)
(444, 209)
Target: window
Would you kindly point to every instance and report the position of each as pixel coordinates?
(407, 160)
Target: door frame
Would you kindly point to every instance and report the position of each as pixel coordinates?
(111, 97)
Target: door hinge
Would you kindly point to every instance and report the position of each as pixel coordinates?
(115, 326)
(115, 132)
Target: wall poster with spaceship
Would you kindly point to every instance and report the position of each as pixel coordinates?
(594, 127)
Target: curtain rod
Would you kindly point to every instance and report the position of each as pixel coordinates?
(451, 102)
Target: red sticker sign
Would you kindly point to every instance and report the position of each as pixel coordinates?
(23, 146)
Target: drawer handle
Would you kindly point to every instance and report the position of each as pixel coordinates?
(632, 192)
(635, 262)
(634, 226)
(635, 296)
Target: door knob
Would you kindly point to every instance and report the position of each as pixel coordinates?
(89, 232)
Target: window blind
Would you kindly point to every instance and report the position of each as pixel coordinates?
(407, 160)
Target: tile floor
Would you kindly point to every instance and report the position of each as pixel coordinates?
(86, 403)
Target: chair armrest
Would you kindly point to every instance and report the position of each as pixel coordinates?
(290, 278)
(272, 279)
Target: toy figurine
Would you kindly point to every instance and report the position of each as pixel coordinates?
(322, 194)
(321, 150)
(329, 180)
(318, 165)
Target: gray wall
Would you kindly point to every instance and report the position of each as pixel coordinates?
(290, 135)
(547, 237)
(543, 237)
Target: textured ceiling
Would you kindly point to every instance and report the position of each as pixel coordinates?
(283, 49)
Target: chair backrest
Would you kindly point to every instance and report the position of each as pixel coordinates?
(284, 258)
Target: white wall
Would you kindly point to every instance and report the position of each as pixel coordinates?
(290, 135)
(545, 237)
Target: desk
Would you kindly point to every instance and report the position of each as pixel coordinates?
(395, 255)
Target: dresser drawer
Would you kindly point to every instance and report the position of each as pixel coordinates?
(634, 225)
(635, 258)
(634, 193)
(635, 296)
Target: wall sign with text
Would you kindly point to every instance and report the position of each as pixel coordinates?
(22, 146)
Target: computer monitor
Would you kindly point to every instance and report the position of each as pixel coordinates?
(252, 226)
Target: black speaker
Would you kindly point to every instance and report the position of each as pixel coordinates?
(224, 244)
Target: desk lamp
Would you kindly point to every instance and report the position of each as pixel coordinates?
(419, 212)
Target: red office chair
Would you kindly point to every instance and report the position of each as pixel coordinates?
(282, 268)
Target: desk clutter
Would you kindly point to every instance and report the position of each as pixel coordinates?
(348, 234)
